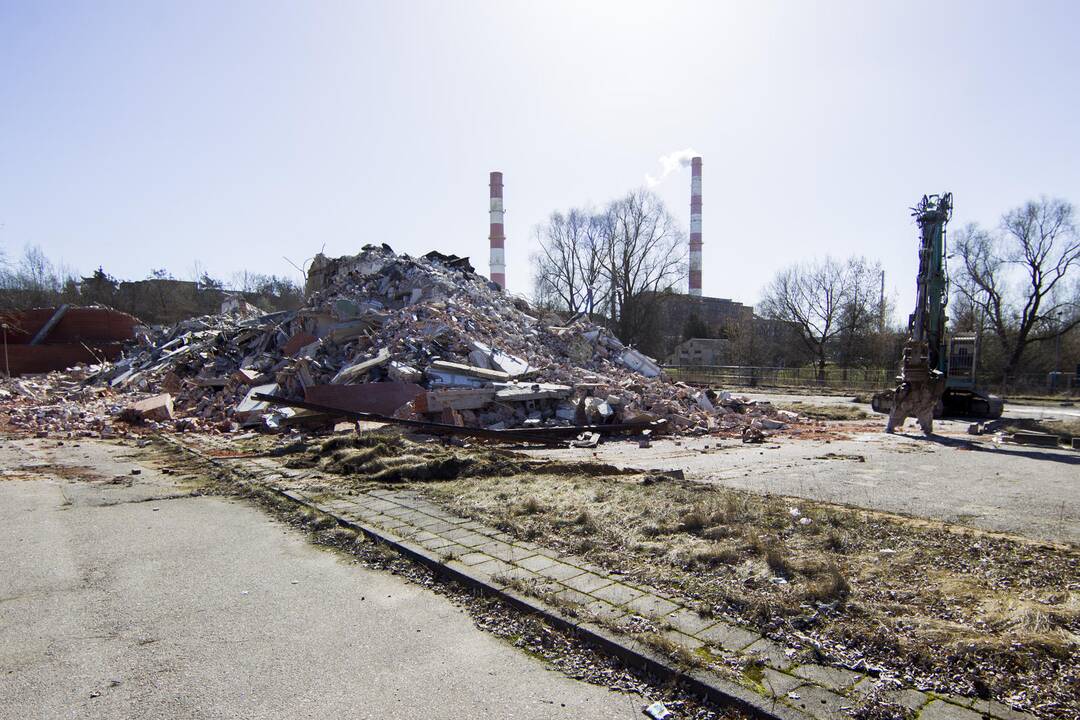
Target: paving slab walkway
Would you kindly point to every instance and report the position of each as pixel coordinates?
(569, 582)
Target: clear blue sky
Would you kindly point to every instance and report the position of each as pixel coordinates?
(139, 135)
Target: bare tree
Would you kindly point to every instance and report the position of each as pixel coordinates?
(824, 301)
(618, 262)
(644, 252)
(568, 266)
(1016, 281)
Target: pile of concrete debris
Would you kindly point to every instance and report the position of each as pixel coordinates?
(410, 338)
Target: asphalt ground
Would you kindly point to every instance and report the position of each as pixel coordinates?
(123, 596)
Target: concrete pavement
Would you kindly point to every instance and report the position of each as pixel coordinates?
(114, 604)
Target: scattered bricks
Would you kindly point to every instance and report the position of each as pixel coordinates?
(941, 710)
(651, 606)
(158, 407)
(617, 593)
(729, 637)
(587, 582)
(832, 678)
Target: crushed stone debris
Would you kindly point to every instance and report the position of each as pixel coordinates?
(413, 338)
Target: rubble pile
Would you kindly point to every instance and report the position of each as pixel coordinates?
(418, 338)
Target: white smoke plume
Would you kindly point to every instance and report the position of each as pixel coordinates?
(670, 163)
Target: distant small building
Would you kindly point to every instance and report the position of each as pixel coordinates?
(702, 351)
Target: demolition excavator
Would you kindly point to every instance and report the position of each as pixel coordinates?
(937, 372)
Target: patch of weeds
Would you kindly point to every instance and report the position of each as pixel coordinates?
(530, 506)
(829, 586)
(777, 560)
(716, 555)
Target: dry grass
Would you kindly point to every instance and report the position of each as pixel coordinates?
(928, 601)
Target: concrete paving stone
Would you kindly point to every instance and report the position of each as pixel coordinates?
(616, 593)
(587, 582)
(821, 703)
(421, 536)
(527, 545)
(452, 550)
(385, 521)
(573, 596)
(910, 698)
(474, 525)
(830, 677)
(518, 573)
(504, 537)
(778, 683)
(1000, 711)
(472, 540)
(651, 606)
(458, 532)
(437, 526)
(381, 505)
(492, 567)
(474, 558)
(535, 563)
(437, 542)
(399, 511)
(504, 551)
(560, 571)
(771, 652)
(688, 621)
(729, 637)
(941, 710)
(687, 641)
(606, 611)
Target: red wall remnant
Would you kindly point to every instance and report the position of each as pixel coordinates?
(83, 335)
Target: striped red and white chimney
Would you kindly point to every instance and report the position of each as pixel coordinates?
(498, 240)
(695, 226)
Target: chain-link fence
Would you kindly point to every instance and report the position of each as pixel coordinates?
(860, 380)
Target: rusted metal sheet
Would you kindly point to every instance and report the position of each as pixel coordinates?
(381, 398)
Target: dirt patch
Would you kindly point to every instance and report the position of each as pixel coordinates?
(387, 456)
(825, 412)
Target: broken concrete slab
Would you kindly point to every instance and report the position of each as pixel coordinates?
(158, 407)
(356, 372)
(250, 411)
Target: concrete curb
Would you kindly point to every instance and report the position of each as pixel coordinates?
(716, 689)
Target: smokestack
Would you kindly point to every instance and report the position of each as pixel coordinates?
(498, 240)
(695, 227)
